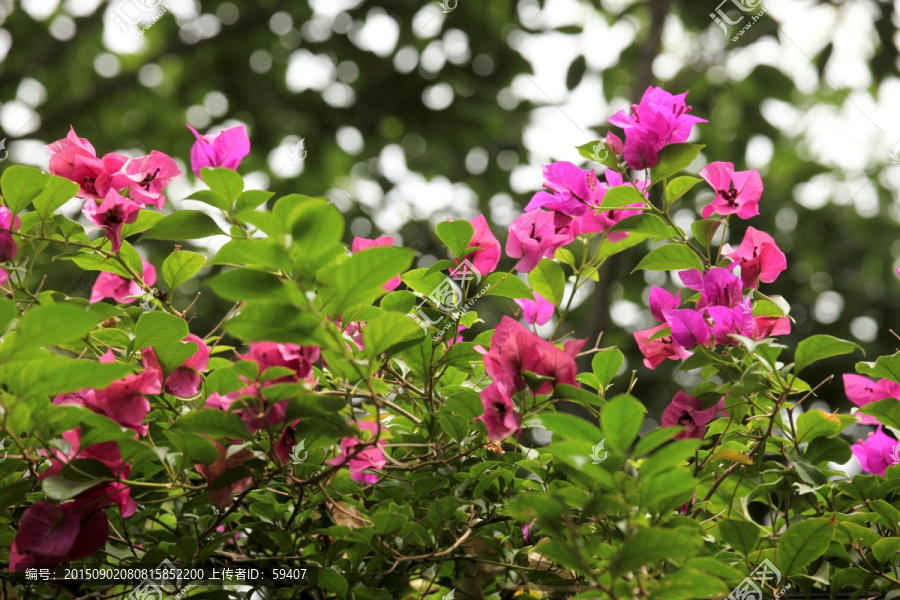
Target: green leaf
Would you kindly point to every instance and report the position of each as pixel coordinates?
(671, 257)
(155, 328)
(885, 366)
(24, 185)
(456, 235)
(606, 364)
(54, 324)
(61, 489)
(193, 448)
(57, 191)
(887, 411)
(181, 266)
(237, 285)
(818, 347)
(621, 420)
(652, 546)
(255, 252)
(252, 199)
(360, 279)
(571, 426)
(211, 198)
(387, 330)
(803, 543)
(598, 151)
(815, 424)
(672, 159)
(648, 224)
(278, 322)
(183, 225)
(679, 186)
(145, 220)
(212, 422)
(332, 581)
(91, 261)
(227, 184)
(317, 227)
(172, 355)
(622, 195)
(886, 549)
(549, 281)
(704, 230)
(505, 285)
(743, 536)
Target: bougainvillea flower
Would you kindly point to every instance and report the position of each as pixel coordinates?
(878, 452)
(737, 192)
(223, 497)
(537, 311)
(658, 120)
(104, 452)
(8, 223)
(147, 177)
(121, 290)
(688, 412)
(299, 359)
(569, 189)
(535, 235)
(758, 256)
(64, 152)
(226, 149)
(370, 458)
(50, 534)
(257, 413)
(862, 390)
(4, 276)
(515, 349)
(286, 443)
(500, 417)
(115, 211)
(484, 260)
(360, 243)
(764, 327)
(657, 350)
(125, 401)
(718, 286)
(185, 380)
(689, 327)
(661, 300)
(727, 321)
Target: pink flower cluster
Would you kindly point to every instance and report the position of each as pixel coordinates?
(568, 208)
(103, 181)
(721, 311)
(879, 450)
(514, 350)
(8, 248)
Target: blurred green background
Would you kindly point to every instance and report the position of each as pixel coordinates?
(412, 112)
